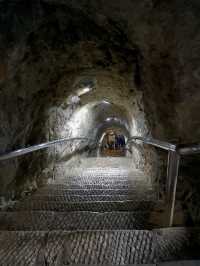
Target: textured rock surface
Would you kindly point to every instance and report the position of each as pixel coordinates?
(49, 228)
(80, 220)
(139, 32)
(142, 55)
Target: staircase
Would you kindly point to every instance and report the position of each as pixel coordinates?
(101, 212)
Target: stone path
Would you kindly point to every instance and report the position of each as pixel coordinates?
(97, 217)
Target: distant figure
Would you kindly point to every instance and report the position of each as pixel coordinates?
(117, 141)
(121, 141)
(111, 140)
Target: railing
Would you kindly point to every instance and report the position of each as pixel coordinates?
(20, 152)
(174, 156)
(157, 143)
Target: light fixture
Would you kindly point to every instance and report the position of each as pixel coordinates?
(83, 91)
(112, 119)
(106, 102)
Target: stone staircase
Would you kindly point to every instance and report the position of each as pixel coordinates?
(102, 212)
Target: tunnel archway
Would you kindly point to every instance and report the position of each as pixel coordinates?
(51, 67)
(49, 46)
(112, 143)
(92, 119)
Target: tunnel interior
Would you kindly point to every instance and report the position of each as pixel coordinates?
(100, 67)
(113, 143)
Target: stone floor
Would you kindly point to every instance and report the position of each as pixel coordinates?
(96, 217)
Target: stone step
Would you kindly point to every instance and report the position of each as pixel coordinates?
(101, 176)
(66, 191)
(104, 247)
(80, 198)
(180, 263)
(99, 180)
(178, 243)
(94, 206)
(81, 247)
(46, 220)
(57, 189)
(93, 170)
(123, 184)
(104, 162)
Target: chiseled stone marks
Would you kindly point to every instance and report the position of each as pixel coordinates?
(181, 263)
(20, 248)
(101, 247)
(45, 220)
(59, 225)
(177, 243)
(81, 247)
(81, 198)
(98, 206)
(54, 191)
(112, 247)
(138, 195)
(27, 221)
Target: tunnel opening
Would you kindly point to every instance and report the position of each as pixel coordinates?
(71, 85)
(94, 119)
(113, 143)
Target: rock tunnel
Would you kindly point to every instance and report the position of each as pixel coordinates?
(77, 69)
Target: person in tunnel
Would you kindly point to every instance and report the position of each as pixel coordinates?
(121, 141)
(117, 141)
(111, 140)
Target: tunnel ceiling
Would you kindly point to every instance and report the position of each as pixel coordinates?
(94, 118)
(153, 43)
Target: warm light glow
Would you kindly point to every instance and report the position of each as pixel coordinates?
(83, 91)
(112, 119)
(105, 102)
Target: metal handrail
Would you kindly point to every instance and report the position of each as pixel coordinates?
(23, 151)
(174, 155)
(20, 152)
(172, 171)
(154, 142)
(182, 150)
(189, 149)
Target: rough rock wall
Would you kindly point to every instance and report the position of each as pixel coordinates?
(158, 39)
(45, 63)
(41, 41)
(104, 106)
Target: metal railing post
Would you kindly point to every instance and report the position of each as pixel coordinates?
(169, 174)
(172, 177)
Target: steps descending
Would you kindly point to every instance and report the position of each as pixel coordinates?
(98, 213)
(102, 247)
(94, 197)
(76, 248)
(51, 220)
(101, 172)
(94, 206)
(65, 190)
